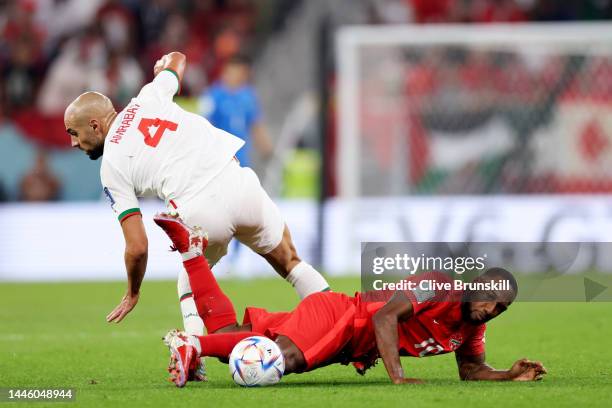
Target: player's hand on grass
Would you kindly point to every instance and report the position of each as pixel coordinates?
(126, 305)
(527, 370)
(408, 381)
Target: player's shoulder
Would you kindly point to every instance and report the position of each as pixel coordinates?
(436, 276)
(107, 167)
(473, 330)
(111, 162)
(114, 170)
(434, 287)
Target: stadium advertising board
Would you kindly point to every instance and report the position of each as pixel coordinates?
(348, 224)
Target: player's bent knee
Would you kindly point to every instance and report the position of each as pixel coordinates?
(285, 254)
(283, 258)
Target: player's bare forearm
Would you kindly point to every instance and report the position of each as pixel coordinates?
(136, 252)
(176, 61)
(484, 372)
(136, 265)
(474, 368)
(385, 328)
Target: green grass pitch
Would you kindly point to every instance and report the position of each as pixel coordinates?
(55, 335)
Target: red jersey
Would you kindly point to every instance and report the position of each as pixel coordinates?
(436, 326)
(330, 326)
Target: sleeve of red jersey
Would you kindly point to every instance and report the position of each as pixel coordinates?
(475, 344)
(163, 88)
(421, 298)
(119, 191)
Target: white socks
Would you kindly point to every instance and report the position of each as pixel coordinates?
(306, 280)
(192, 322)
(189, 255)
(195, 342)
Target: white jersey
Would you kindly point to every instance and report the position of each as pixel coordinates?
(156, 148)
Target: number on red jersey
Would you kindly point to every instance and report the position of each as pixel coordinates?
(429, 347)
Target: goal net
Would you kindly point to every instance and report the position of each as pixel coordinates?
(496, 109)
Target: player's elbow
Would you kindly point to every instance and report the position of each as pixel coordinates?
(178, 60)
(383, 318)
(178, 55)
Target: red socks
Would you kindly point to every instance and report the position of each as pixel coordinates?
(214, 307)
(220, 345)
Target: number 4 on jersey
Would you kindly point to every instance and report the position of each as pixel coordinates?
(162, 126)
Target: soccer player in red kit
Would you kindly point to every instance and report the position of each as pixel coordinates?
(327, 328)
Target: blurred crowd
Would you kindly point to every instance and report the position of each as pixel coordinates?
(457, 94)
(474, 119)
(53, 50)
(487, 11)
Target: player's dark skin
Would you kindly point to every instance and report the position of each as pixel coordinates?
(476, 308)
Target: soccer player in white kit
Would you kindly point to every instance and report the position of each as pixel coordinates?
(155, 148)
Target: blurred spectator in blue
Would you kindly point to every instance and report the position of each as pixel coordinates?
(39, 184)
(231, 104)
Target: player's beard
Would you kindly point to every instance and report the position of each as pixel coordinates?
(466, 312)
(96, 153)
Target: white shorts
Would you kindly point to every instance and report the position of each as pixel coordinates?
(234, 204)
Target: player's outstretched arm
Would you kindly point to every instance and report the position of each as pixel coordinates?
(136, 254)
(474, 368)
(385, 327)
(175, 61)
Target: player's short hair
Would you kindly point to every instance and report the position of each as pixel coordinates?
(504, 274)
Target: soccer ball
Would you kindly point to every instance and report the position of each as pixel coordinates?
(256, 361)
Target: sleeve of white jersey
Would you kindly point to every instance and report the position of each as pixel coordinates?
(163, 88)
(119, 191)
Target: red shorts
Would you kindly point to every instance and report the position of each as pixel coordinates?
(321, 325)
